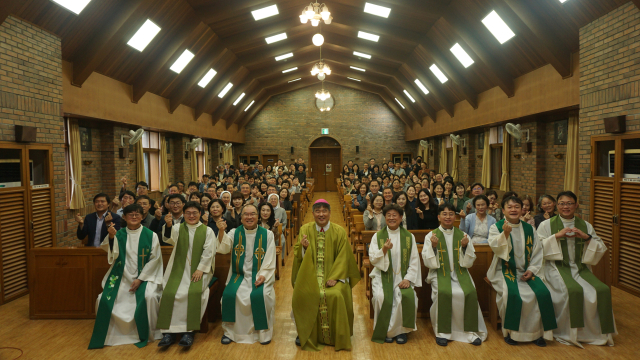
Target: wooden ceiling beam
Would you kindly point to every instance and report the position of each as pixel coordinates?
(162, 58)
(494, 63)
(7, 7)
(348, 44)
(216, 12)
(236, 78)
(124, 21)
(211, 95)
(251, 35)
(399, 83)
(226, 115)
(293, 41)
(270, 55)
(413, 70)
(236, 91)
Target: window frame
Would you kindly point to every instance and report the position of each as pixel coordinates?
(151, 150)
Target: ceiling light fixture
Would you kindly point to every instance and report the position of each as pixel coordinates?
(498, 27)
(182, 61)
(205, 80)
(225, 90)
(320, 68)
(363, 55)
(422, 87)
(377, 10)
(367, 36)
(247, 108)
(409, 96)
(75, 6)
(316, 12)
(323, 94)
(462, 55)
(439, 74)
(289, 70)
(265, 12)
(357, 68)
(317, 39)
(238, 99)
(350, 78)
(294, 80)
(276, 38)
(284, 56)
(399, 103)
(144, 35)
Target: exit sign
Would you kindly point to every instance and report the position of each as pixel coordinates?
(325, 131)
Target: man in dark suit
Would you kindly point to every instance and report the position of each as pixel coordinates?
(176, 204)
(94, 226)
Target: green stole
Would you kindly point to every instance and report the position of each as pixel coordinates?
(387, 277)
(445, 295)
(194, 297)
(258, 308)
(514, 301)
(323, 310)
(105, 307)
(576, 294)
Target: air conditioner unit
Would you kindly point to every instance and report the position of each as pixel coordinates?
(630, 164)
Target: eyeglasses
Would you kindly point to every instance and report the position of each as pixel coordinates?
(569, 204)
(134, 215)
(192, 213)
(175, 203)
(249, 214)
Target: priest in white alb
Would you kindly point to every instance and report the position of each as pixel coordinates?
(455, 312)
(523, 300)
(249, 300)
(127, 309)
(396, 272)
(187, 277)
(582, 303)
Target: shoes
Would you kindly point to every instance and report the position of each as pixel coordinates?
(167, 339)
(298, 340)
(225, 340)
(388, 340)
(476, 342)
(540, 342)
(266, 342)
(187, 339)
(510, 341)
(441, 341)
(401, 339)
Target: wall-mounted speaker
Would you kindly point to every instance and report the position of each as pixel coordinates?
(26, 133)
(186, 154)
(292, 149)
(357, 149)
(123, 152)
(614, 125)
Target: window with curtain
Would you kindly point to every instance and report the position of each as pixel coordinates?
(67, 162)
(151, 148)
(496, 138)
(200, 159)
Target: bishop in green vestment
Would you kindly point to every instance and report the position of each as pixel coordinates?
(324, 272)
(582, 303)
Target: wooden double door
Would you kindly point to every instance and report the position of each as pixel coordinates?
(615, 197)
(325, 167)
(27, 212)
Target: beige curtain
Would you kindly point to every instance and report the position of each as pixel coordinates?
(454, 162)
(140, 175)
(204, 158)
(227, 156)
(164, 165)
(443, 156)
(571, 170)
(194, 164)
(75, 156)
(506, 153)
(486, 161)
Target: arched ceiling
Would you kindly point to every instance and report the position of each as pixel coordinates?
(224, 36)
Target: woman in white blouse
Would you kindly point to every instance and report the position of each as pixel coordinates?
(477, 225)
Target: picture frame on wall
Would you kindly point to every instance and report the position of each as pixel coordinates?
(561, 132)
(481, 140)
(85, 138)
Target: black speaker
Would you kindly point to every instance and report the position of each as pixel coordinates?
(357, 149)
(292, 149)
(186, 154)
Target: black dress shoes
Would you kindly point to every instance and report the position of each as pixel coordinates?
(187, 339)
(540, 342)
(298, 340)
(476, 342)
(510, 341)
(167, 339)
(441, 341)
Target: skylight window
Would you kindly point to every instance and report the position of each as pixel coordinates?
(207, 78)
(363, 55)
(238, 99)
(75, 6)
(409, 95)
(357, 68)
(563, 1)
(377, 10)
(294, 80)
(367, 36)
(182, 61)
(144, 35)
(422, 87)
(265, 12)
(439, 74)
(399, 103)
(498, 27)
(285, 56)
(225, 90)
(350, 78)
(247, 108)
(289, 70)
(276, 38)
(462, 55)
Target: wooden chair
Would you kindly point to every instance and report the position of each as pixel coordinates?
(494, 317)
(210, 316)
(289, 232)
(278, 250)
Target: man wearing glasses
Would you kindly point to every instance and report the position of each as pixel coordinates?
(189, 271)
(176, 203)
(582, 303)
(249, 300)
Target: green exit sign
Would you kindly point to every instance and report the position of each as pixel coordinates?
(325, 131)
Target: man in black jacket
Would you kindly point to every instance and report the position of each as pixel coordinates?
(176, 204)
(93, 227)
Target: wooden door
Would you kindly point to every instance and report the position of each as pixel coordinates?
(615, 193)
(269, 160)
(325, 167)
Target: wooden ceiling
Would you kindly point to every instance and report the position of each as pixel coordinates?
(224, 36)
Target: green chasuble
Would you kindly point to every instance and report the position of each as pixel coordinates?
(258, 308)
(387, 277)
(445, 295)
(574, 289)
(514, 301)
(194, 299)
(328, 257)
(110, 292)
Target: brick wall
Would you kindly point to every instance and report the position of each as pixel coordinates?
(31, 95)
(609, 81)
(358, 119)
